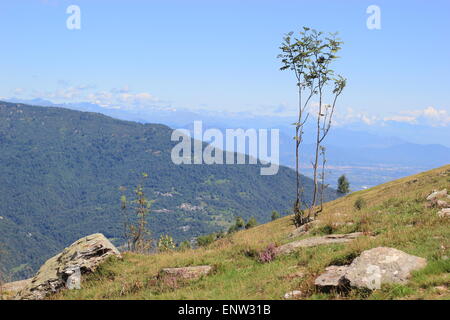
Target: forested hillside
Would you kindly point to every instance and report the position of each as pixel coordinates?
(61, 170)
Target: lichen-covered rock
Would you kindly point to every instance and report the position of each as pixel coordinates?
(444, 213)
(333, 277)
(293, 294)
(382, 265)
(83, 256)
(437, 194)
(442, 204)
(302, 229)
(187, 273)
(316, 241)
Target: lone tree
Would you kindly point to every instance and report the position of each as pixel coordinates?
(310, 57)
(343, 185)
(296, 57)
(275, 215)
(3, 272)
(135, 212)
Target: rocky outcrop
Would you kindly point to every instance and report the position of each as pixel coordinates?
(371, 269)
(437, 194)
(66, 269)
(440, 200)
(382, 265)
(186, 273)
(444, 213)
(303, 229)
(293, 294)
(333, 277)
(316, 241)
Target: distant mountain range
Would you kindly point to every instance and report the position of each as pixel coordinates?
(61, 169)
(367, 154)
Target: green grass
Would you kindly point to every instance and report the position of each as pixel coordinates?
(395, 216)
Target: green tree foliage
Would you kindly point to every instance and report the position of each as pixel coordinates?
(275, 215)
(240, 223)
(2, 272)
(360, 203)
(206, 240)
(343, 185)
(166, 243)
(136, 232)
(310, 56)
(251, 223)
(184, 245)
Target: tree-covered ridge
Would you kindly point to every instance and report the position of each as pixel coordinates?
(61, 170)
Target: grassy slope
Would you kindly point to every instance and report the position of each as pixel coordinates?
(395, 213)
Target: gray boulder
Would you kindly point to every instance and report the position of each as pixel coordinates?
(187, 273)
(333, 277)
(371, 269)
(293, 294)
(316, 241)
(442, 204)
(382, 265)
(444, 213)
(65, 269)
(437, 194)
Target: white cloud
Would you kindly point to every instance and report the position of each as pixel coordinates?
(428, 116)
(126, 100)
(352, 116)
(19, 91)
(120, 98)
(398, 118)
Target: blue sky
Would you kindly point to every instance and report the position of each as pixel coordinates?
(221, 55)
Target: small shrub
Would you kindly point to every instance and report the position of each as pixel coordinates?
(326, 229)
(268, 254)
(232, 229)
(251, 253)
(300, 218)
(166, 243)
(360, 203)
(344, 258)
(239, 223)
(275, 215)
(206, 240)
(185, 245)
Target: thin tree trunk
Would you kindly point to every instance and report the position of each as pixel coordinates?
(316, 160)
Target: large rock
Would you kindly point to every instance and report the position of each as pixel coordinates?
(293, 294)
(316, 241)
(382, 265)
(442, 204)
(444, 213)
(187, 273)
(66, 268)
